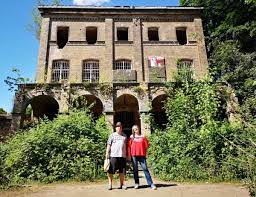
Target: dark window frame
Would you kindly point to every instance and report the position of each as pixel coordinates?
(62, 43)
(181, 35)
(119, 36)
(93, 39)
(151, 32)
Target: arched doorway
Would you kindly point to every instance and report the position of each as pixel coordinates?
(126, 109)
(39, 107)
(91, 101)
(158, 111)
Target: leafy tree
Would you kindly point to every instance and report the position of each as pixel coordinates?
(230, 31)
(14, 81)
(2, 111)
(35, 26)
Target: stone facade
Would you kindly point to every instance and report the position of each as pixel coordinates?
(122, 94)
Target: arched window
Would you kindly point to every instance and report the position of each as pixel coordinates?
(123, 65)
(60, 70)
(91, 71)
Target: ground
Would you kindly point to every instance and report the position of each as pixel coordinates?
(165, 189)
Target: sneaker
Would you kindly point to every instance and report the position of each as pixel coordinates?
(153, 187)
(109, 187)
(136, 186)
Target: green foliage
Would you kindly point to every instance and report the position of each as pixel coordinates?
(2, 111)
(14, 81)
(198, 143)
(70, 147)
(35, 25)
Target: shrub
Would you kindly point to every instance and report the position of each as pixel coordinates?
(69, 147)
(198, 144)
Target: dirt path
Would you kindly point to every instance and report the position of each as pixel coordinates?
(164, 190)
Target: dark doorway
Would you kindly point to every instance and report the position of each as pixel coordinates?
(158, 111)
(127, 112)
(91, 101)
(39, 107)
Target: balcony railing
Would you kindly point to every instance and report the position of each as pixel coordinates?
(124, 76)
(157, 75)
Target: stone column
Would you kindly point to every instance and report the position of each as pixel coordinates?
(106, 73)
(43, 51)
(64, 99)
(138, 50)
(201, 48)
(145, 126)
(16, 121)
(110, 119)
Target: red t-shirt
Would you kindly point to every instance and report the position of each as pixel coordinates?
(138, 145)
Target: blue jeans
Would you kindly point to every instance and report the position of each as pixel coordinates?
(143, 163)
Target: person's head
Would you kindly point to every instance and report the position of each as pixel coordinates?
(136, 130)
(119, 127)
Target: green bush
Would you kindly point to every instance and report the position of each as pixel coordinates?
(198, 144)
(70, 147)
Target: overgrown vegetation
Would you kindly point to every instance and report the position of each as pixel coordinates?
(199, 142)
(69, 147)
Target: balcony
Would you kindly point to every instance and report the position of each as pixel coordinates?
(124, 76)
(157, 75)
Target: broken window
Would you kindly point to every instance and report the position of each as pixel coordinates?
(123, 65)
(185, 70)
(91, 35)
(153, 34)
(60, 70)
(91, 71)
(122, 34)
(62, 36)
(181, 35)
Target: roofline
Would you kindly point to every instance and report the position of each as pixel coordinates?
(41, 7)
(117, 10)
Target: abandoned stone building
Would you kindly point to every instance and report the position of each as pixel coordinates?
(116, 57)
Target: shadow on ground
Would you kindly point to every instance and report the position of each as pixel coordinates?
(157, 185)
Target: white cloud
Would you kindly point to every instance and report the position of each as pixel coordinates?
(90, 2)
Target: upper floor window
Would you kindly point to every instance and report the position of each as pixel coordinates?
(184, 67)
(153, 34)
(123, 65)
(91, 71)
(62, 36)
(122, 33)
(91, 35)
(181, 35)
(60, 70)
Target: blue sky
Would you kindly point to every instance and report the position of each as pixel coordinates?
(19, 47)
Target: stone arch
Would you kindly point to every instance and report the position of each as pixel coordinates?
(41, 106)
(126, 111)
(158, 110)
(89, 100)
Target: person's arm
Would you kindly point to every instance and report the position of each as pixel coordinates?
(108, 150)
(109, 143)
